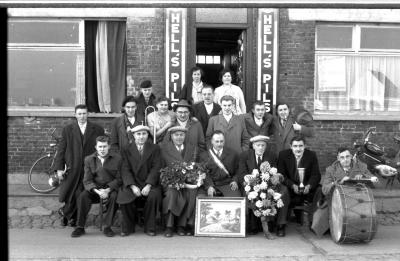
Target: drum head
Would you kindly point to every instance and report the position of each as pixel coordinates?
(336, 216)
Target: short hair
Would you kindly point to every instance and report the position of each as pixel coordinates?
(342, 149)
(129, 99)
(162, 99)
(222, 73)
(208, 87)
(258, 103)
(103, 138)
(81, 106)
(194, 69)
(281, 103)
(227, 98)
(298, 138)
(217, 132)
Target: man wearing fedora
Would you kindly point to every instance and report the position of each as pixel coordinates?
(141, 162)
(252, 159)
(146, 98)
(184, 119)
(286, 125)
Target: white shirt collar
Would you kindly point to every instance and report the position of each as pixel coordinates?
(181, 147)
(228, 117)
(259, 122)
(182, 123)
(209, 107)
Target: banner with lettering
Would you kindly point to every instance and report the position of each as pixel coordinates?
(267, 64)
(175, 51)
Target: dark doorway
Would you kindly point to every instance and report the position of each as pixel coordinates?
(217, 49)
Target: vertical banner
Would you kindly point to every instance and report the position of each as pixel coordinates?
(267, 64)
(175, 52)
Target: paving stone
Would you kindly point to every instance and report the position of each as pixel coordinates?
(40, 211)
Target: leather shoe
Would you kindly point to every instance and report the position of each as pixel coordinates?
(151, 233)
(79, 231)
(124, 234)
(64, 221)
(168, 232)
(72, 223)
(108, 232)
(190, 232)
(280, 231)
(181, 231)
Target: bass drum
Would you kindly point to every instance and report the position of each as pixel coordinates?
(352, 216)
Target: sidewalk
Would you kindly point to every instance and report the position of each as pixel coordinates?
(299, 244)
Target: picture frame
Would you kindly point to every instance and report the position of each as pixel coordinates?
(220, 217)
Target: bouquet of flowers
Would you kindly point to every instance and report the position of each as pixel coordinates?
(261, 190)
(181, 174)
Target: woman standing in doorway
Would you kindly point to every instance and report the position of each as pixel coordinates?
(227, 88)
(192, 91)
(162, 118)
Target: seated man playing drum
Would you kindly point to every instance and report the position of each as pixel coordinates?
(342, 170)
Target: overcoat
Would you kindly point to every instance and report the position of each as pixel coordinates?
(119, 136)
(141, 104)
(200, 112)
(253, 129)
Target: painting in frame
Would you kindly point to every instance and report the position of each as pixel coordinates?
(220, 217)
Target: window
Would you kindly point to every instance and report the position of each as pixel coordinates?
(208, 59)
(356, 69)
(58, 63)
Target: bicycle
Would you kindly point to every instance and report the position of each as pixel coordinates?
(42, 169)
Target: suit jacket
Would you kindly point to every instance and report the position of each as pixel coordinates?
(253, 129)
(119, 136)
(236, 135)
(287, 167)
(170, 154)
(72, 150)
(194, 135)
(248, 162)
(99, 175)
(283, 136)
(200, 112)
(139, 170)
(216, 176)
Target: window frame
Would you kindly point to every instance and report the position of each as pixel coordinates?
(354, 51)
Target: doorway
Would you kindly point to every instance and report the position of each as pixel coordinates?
(218, 49)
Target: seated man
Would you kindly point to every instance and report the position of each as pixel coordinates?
(343, 169)
(102, 179)
(252, 159)
(141, 163)
(221, 163)
(289, 163)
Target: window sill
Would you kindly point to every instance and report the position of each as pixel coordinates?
(52, 112)
(342, 116)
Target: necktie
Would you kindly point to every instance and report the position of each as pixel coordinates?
(259, 159)
(181, 150)
(283, 123)
(140, 149)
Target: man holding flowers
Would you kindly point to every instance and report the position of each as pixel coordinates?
(268, 198)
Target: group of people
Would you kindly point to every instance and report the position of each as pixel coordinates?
(205, 126)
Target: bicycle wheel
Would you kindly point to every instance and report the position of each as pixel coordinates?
(39, 174)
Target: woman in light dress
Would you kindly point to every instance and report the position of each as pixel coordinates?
(162, 118)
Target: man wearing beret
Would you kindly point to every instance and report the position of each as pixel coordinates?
(252, 159)
(146, 98)
(184, 118)
(141, 162)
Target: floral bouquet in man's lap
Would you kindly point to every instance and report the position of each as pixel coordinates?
(180, 175)
(261, 190)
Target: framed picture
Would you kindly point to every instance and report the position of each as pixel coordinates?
(220, 217)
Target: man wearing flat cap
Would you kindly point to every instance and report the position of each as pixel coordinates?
(194, 134)
(146, 98)
(252, 159)
(141, 162)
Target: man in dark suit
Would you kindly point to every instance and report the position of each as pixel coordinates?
(285, 127)
(258, 122)
(204, 110)
(102, 180)
(221, 163)
(141, 162)
(252, 159)
(146, 98)
(78, 140)
(297, 163)
(120, 136)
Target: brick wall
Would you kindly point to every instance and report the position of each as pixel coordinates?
(145, 50)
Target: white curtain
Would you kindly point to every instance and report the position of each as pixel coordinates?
(103, 79)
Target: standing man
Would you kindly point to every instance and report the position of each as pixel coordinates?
(102, 180)
(78, 140)
(289, 162)
(194, 134)
(204, 110)
(258, 122)
(146, 98)
(252, 159)
(141, 162)
(221, 163)
(233, 127)
(286, 126)
(120, 136)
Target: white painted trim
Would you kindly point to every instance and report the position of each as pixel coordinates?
(81, 12)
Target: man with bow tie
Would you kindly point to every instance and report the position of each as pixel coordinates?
(78, 140)
(141, 162)
(252, 159)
